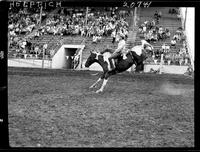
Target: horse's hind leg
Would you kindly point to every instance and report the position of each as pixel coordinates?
(139, 67)
(105, 80)
(94, 85)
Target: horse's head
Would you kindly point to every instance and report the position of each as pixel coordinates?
(92, 58)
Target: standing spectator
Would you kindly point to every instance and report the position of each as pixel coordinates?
(113, 35)
(159, 14)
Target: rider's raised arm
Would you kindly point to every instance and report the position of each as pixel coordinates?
(121, 46)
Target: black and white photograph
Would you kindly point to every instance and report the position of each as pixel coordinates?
(100, 76)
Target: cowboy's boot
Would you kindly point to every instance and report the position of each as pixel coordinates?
(111, 64)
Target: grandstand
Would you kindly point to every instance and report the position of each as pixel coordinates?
(65, 26)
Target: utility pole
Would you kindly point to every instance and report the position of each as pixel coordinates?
(86, 17)
(44, 50)
(135, 16)
(43, 47)
(40, 16)
(185, 18)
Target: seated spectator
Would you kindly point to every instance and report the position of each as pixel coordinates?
(186, 58)
(173, 43)
(153, 23)
(145, 22)
(177, 59)
(178, 16)
(189, 70)
(12, 33)
(113, 35)
(150, 25)
(183, 50)
(156, 56)
(176, 37)
(144, 29)
(168, 58)
(154, 37)
(140, 29)
(117, 37)
(94, 38)
(83, 31)
(181, 59)
(179, 31)
(165, 48)
(37, 50)
(160, 30)
(37, 35)
(167, 33)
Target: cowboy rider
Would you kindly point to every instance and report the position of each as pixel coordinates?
(145, 46)
(140, 50)
(120, 49)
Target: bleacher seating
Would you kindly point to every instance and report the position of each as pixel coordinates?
(167, 20)
(55, 41)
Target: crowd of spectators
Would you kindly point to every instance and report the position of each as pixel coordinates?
(98, 25)
(21, 23)
(173, 11)
(155, 34)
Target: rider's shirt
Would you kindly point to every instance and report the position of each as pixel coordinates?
(137, 49)
(121, 46)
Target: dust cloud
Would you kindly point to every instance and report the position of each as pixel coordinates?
(170, 89)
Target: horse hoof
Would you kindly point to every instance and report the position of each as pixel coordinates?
(92, 87)
(98, 91)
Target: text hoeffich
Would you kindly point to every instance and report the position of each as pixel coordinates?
(32, 4)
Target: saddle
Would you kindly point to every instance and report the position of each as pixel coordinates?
(114, 62)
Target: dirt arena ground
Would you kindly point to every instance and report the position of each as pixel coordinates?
(56, 108)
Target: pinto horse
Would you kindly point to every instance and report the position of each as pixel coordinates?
(120, 66)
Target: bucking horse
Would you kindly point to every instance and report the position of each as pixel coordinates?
(121, 65)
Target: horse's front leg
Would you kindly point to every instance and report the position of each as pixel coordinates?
(102, 86)
(94, 85)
